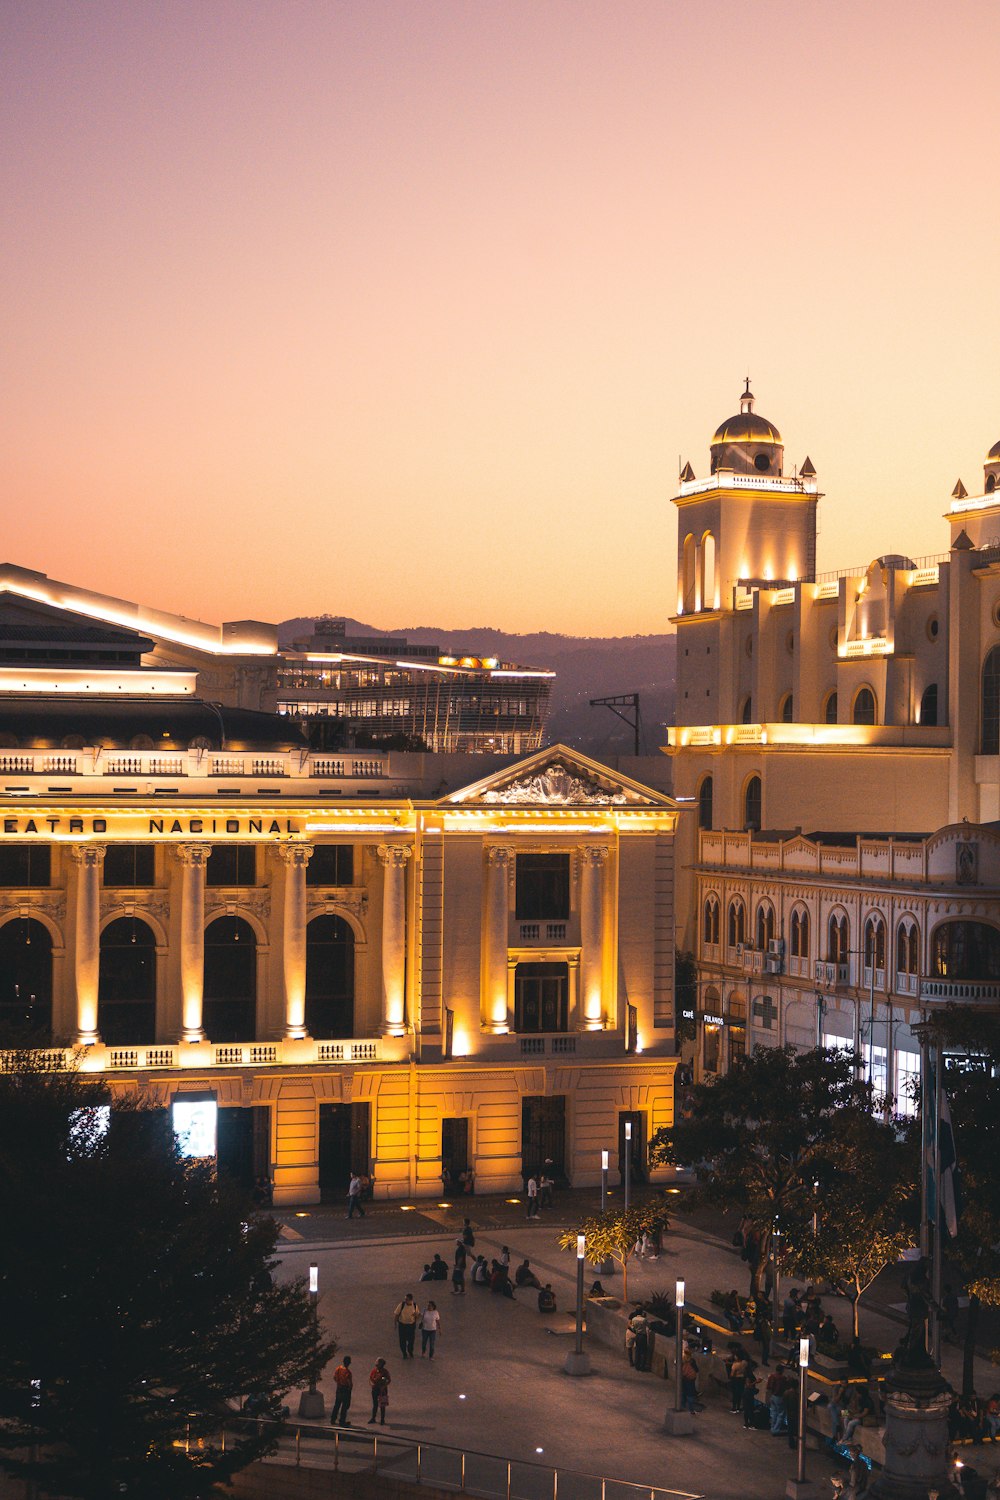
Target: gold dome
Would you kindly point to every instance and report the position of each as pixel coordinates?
(746, 426)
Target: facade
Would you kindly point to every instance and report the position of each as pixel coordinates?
(344, 692)
(821, 718)
(383, 962)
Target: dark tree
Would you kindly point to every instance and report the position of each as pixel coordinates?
(760, 1135)
(136, 1300)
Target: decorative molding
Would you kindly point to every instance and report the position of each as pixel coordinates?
(555, 786)
(295, 854)
(193, 854)
(393, 855)
(594, 855)
(499, 856)
(88, 855)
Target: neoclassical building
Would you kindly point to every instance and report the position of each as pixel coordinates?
(835, 735)
(383, 962)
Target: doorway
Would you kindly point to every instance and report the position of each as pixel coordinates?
(543, 1136)
(638, 1143)
(454, 1147)
(344, 1147)
(243, 1144)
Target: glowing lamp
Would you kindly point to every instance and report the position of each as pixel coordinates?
(679, 1293)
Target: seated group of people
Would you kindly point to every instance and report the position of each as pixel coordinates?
(496, 1276)
(458, 1182)
(973, 1420)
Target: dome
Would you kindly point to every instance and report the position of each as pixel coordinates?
(994, 454)
(746, 426)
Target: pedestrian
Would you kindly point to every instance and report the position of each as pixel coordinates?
(689, 1383)
(749, 1400)
(738, 1370)
(380, 1380)
(640, 1328)
(344, 1381)
(430, 1327)
(458, 1271)
(762, 1332)
(859, 1473)
(505, 1256)
(406, 1318)
(468, 1237)
(354, 1197)
(545, 1189)
(776, 1400)
(532, 1191)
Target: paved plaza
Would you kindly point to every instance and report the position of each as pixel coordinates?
(497, 1385)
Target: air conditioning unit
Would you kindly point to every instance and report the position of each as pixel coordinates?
(773, 964)
(776, 947)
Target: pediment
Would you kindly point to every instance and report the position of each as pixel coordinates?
(558, 777)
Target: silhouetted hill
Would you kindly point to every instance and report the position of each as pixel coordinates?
(586, 666)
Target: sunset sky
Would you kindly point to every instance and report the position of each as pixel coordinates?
(408, 310)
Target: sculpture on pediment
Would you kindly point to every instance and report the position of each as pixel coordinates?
(557, 786)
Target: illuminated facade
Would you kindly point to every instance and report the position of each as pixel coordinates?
(326, 961)
(345, 692)
(864, 703)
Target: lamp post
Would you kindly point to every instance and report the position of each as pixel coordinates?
(628, 1162)
(678, 1422)
(776, 1261)
(578, 1363)
(604, 1182)
(800, 1473)
(311, 1402)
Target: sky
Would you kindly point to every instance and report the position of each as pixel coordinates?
(408, 311)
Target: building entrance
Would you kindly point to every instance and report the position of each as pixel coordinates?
(344, 1147)
(455, 1146)
(543, 1136)
(243, 1144)
(638, 1163)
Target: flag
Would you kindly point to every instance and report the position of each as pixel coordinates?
(950, 1195)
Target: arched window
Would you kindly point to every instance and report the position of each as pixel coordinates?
(765, 925)
(230, 1006)
(966, 950)
(929, 705)
(710, 925)
(126, 994)
(800, 933)
(838, 939)
(830, 708)
(746, 711)
(688, 571)
(705, 803)
(329, 977)
(752, 799)
(708, 582)
(25, 982)
(788, 709)
(737, 924)
(864, 707)
(990, 731)
(907, 948)
(875, 943)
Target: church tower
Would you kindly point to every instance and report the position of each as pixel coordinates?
(746, 526)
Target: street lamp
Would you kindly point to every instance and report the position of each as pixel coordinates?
(800, 1474)
(776, 1260)
(311, 1402)
(578, 1363)
(604, 1182)
(628, 1162)
(678, 1422)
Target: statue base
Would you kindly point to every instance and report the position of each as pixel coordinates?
(916, 1433)
(678, 1423)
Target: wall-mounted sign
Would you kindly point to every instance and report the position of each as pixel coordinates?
(714, 1020)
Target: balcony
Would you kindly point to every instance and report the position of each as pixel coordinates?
(964, 991)
(544, 934)
(178, 1056)
(555, 1046)
(832, 976)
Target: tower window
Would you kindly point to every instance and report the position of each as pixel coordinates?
(752, 804)
(831, 708)
(762, 463)
(929, 705)
(864, 707)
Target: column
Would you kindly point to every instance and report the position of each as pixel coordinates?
(192, 859)
(393, 858)
(593, 858)
(293, 954)
(87, 968)
(498, 985)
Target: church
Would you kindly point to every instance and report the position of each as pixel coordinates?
(837, 737)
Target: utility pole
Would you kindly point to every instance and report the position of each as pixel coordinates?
(619, 701)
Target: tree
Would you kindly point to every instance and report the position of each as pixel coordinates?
(866, 1207)
(136, 1299)
(758, 1136)
(613, 1235)
(973, 1091)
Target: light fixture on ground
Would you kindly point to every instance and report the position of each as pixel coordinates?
(799, 1488)
(311, 1402)
(678, 1422)
(607, 1264)
(628, 1162)
(577, 1362)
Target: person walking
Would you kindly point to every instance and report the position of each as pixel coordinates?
(749, 1400)
(354, 1197)
(689, 1383)
(458, 1271)
(406, 1318)
(344, 1382)
(762, 1333)
(532, 1191)
(379, 1380)
(640, 1328)
(468, 1237)
(430, 1327)
(776, 1400)
(738, 1371)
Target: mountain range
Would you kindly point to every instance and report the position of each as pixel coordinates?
(586, 667)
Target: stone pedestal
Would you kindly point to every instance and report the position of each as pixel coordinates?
(916, 1433)
(577, 1364)
(678, 1423)
(805, 1489)
(311, 1404)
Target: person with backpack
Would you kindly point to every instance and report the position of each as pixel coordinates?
(379, 1379)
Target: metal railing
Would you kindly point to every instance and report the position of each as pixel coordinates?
(355, 1450)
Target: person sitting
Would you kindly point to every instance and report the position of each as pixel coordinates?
(597, 1290)
(480, 1272)
(547, 1299)
(828, 1333)
(525, 1276)
(733, 1311)
(439, 1268)
(428, 1274)
(499, 1281)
